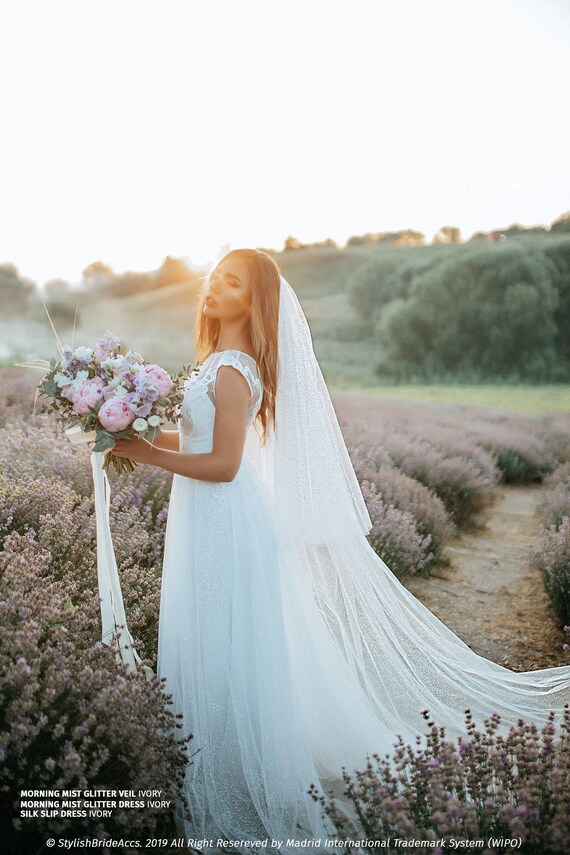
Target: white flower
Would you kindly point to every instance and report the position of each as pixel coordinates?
(140, 425)
(62, 380)
(112, 362)
(121, 391)
(80, 379)
(83, 353)
(154, 420)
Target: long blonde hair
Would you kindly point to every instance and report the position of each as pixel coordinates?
(264, 277)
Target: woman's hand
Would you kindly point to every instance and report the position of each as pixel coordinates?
(135, 448)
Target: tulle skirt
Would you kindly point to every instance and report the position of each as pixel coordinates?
(223, 650)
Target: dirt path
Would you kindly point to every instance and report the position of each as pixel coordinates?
(490, 595)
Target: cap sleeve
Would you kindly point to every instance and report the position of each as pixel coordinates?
(235, 359)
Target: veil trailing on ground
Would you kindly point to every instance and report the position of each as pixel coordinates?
(367, 655)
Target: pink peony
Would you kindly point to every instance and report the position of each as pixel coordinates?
(88, 395)
(115, 415)
(69, 393)
(159, 379)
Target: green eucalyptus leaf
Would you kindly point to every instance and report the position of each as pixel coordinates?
(101, 432)
(103, 443)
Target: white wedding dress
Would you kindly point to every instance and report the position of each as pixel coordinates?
(283, 682)
(222, 644)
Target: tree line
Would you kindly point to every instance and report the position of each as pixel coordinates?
(469, 313)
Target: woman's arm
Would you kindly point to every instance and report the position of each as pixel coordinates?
(169, 439)
(230, 425)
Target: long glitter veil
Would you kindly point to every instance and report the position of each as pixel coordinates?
(367, 655)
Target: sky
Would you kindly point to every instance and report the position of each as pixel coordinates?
(132, 129)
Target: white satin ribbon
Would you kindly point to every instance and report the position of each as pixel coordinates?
(113, 617)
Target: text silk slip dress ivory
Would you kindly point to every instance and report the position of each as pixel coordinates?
(291, 658)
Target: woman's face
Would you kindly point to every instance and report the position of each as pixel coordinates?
(230, 289)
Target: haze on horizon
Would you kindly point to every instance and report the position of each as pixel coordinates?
(136, 130)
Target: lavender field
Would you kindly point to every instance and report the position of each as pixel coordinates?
(427, 472)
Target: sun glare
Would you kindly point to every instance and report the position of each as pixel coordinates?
(135, 131)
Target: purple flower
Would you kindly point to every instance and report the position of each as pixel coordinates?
(106, 344)
(144, 409)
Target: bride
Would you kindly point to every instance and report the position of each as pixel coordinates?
(286, 642)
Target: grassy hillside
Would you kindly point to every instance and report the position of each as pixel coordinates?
(160, 325)
(537, 400)
(321, 272)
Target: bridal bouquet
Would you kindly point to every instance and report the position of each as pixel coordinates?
(100, 394)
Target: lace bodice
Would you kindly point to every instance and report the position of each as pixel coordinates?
(198, 410)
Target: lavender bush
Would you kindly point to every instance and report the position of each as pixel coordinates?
(552, 556)
(556, 431)
(394, 535)
(64, 523)
(488, 786)
(431, 520)
(451, 439)
(49, 601)
(551, 553)
(463, 485)
(556, 503)
(72, 717)
(28, 452)
(17, 395)
(521, 448)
